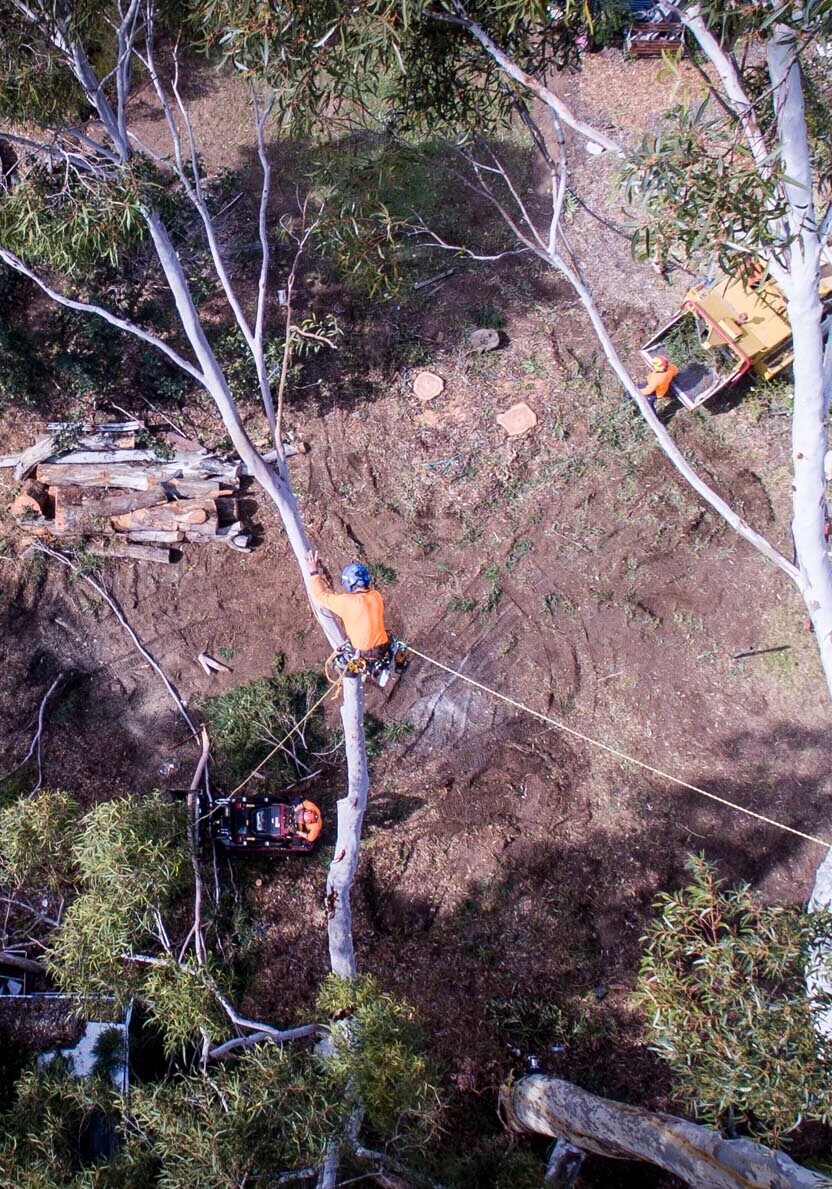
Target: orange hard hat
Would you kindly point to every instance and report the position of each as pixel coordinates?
(660, 362)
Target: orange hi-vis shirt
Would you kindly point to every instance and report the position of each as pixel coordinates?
(310, 832)
(362, 613)
(658, 383)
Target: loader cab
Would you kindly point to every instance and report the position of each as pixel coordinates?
(726, 327)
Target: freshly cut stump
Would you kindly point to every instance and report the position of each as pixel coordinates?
(484, 340)
(518, 419)
(427, 385)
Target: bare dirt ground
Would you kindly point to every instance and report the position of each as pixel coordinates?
(508, 868)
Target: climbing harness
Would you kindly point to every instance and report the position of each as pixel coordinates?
(378, 665)
(620, 755)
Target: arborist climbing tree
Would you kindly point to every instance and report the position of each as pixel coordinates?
(370, 651)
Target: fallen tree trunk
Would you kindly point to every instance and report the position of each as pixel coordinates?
(699, 1156)
(151, 553)
(137, 477)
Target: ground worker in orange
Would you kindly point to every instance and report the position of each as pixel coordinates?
(657, 385)
(361, 610)
(308, 822)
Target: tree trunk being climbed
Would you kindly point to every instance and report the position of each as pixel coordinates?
(698, 1155)
(350, 817)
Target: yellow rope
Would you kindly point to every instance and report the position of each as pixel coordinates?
(770, 821)
(332, 689)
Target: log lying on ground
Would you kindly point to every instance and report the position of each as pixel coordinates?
(699, 1156)
(197, 489)
(134, 552)
(29, 459)
(175, 514)
(156, 536)
(101, 457)
(89, 510)
(99, 427)
(138, 477)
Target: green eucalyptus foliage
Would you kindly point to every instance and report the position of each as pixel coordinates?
(246, 722)
(377, 1063)
(182, 1001)
(395, 57)
(723, 983)
(33, 87)
(72, 221)
(272, 1109)
(46, 1134)
(133, 863)
(699, 190)
(36, 836)
(243, 1122)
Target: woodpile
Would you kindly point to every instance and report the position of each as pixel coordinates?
(135, 500)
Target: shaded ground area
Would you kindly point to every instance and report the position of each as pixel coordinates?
(508, 868)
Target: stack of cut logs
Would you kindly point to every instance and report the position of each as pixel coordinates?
(92, 481)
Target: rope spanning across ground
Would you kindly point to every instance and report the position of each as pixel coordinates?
(331, 691)
(561, 726)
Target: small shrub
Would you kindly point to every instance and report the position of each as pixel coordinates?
(461, 603)
(247, 721)
(723, 983)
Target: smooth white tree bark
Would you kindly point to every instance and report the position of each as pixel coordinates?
(702, 1158)
(274, 481)
(805, 316)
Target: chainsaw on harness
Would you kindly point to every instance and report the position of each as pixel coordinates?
(376, 665)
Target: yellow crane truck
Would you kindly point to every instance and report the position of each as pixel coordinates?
(726, 327)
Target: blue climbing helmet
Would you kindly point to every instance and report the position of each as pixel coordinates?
(355, 577)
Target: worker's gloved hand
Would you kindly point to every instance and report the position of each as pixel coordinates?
(312, 560)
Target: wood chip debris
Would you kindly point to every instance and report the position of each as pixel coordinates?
(211, 665)
(135, 501)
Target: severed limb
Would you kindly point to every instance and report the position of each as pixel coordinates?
(36, 746)
(103, 593)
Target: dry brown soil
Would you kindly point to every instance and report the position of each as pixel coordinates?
(506, 865)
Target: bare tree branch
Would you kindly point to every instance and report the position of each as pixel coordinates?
(87, 307)
(552, 101)
(229, 1047)
(102, 591)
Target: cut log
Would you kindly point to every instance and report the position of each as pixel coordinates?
(101, 458)
(151, 536)
(32, 500)
(697, 1155)
(135, 477)
(61, 475)
(88, 510)
(173, 514)
(105, 427)
(200, 533)
(9, 460)
(30, 458)
(135, 553)
(196, 489)
(106, 441)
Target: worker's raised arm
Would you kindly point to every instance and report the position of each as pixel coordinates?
(320, 591)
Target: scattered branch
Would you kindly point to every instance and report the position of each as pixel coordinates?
(103, 593)
(88, 307)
